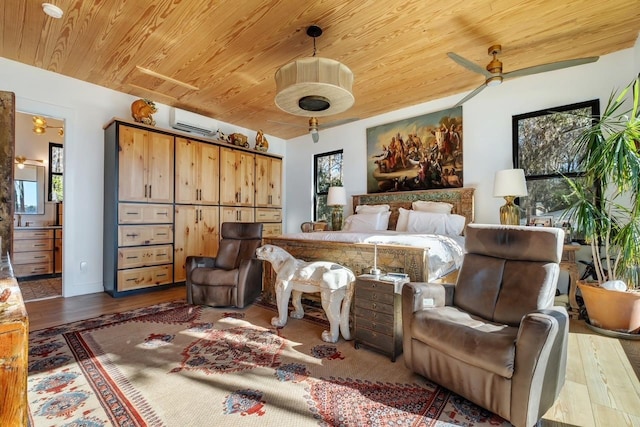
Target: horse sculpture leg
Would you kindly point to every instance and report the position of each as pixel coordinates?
(344, 314)
(296, 300)
(283, 292)
(331, 302)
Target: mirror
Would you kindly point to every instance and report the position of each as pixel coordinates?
(29, 190)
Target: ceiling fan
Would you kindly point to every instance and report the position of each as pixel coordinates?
(493, 73)
(315, 126)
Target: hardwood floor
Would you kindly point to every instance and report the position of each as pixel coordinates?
(602, 386)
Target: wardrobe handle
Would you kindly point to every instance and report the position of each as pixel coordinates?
(145, 190)
(149, 190)
(196, 216)
(200, 214)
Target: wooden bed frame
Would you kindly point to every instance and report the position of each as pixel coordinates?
(359, 256)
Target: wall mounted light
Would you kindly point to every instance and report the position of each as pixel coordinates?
(40, 126)
(20, 161)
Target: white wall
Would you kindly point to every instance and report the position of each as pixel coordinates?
(85, 109)
(487, 130)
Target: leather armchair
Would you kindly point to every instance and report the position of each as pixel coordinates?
(494, 337)
(234, 276)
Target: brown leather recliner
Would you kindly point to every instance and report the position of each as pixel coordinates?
(494, 337)
(234, 276)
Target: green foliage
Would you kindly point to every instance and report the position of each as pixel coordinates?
(611, 222)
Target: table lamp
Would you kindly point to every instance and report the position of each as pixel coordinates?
(509, 183)
(337, 198)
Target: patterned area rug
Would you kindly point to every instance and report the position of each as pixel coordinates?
(36, 290)
(179, 365)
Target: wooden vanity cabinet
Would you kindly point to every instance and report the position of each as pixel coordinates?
(32, 252)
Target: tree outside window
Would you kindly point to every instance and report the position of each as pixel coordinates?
(544, 147)
(327, 173)
(56, 171)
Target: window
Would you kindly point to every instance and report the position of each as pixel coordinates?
(543, 145)
(56, 170)
(327, 172)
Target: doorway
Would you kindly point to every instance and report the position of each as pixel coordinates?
(39, 208)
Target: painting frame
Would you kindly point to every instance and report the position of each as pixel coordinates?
(418, 153)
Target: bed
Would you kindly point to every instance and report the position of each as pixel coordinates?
(396, 251)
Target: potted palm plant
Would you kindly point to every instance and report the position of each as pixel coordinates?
(606, 211)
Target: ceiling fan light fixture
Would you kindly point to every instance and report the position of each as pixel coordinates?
(52, 10)
(314, 103)
(314, 86)
(494, 81)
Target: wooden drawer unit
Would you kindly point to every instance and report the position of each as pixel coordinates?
(33, 252)
(144, 277)
(32, 245)
(138, 235)
(271, 229)
(144, 256)
(268, 215)
(132, 213)
(378, 316)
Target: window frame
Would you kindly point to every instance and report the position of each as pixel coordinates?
(317, 195)
(51, 174)
(531, 178)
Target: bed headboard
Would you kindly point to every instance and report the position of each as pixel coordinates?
(460, 198)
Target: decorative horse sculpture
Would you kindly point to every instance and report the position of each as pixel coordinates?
(293, 277)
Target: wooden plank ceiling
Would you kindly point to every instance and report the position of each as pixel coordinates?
(218, 58)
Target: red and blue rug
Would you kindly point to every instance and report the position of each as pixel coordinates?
(179, 365)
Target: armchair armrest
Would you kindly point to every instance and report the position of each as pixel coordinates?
(416, 297)
(540, 363)
(191, 263)
(249, 274)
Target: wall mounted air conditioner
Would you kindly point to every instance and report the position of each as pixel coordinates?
(191, 122)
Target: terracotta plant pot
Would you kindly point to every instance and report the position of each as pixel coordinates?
(612, 310)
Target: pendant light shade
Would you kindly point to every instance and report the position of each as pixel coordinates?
(314, 86)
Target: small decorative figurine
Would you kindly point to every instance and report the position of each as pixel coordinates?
(238, 139)
(142, 110)
(261, 142)
(221, 135)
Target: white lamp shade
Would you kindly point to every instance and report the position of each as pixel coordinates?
(510, 182)
(337, 196)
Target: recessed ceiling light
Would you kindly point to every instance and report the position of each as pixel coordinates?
(52, 10)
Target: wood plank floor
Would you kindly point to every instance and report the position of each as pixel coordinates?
(602, 386)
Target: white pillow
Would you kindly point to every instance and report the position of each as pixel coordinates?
(362, 222)
(383, 221)
(435, 223)
(372, 208)
(436, 207)
(403, 219)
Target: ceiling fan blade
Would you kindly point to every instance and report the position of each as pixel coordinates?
(338, 123)
(469, 65)
(288, 124)
(549, 67)
(471, 95)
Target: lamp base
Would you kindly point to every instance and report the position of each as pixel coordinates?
(509, 212)
(336, 218)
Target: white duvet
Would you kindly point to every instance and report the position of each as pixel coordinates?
(445, 252)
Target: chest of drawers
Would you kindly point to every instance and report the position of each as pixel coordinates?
(378, 316)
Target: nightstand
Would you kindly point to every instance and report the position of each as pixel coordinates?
(378, 315)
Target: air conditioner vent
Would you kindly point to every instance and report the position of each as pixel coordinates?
(187, 121)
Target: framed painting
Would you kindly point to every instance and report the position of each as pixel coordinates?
(419, 153)
(544, 147)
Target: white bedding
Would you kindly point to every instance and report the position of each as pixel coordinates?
(445, 252)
